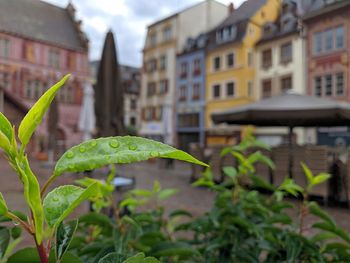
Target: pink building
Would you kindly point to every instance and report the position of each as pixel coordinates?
(39, 43)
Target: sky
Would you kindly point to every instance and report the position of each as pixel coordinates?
(128, 19)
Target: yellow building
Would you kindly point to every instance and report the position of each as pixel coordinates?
(230, 64)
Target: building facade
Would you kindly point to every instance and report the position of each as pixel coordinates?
(230, 71)
(280, 65)
(190, 93)
(131, 78)
(39, 44)
(328, 57)
(165, 38)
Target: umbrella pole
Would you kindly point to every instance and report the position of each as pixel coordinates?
(290, 152)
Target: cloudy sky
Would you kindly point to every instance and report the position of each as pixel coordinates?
(128, 20)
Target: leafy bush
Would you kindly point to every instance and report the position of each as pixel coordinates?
(52, 236)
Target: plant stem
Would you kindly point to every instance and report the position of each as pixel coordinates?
(42, 252)
(47, 184)
(20, 221)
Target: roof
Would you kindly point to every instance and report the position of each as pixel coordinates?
(41, 21)
(319, 8)
(239, 17)
(243, 12)
(289, 109)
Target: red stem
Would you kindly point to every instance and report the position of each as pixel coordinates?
(42, 252)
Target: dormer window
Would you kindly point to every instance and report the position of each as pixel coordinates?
(226, 34)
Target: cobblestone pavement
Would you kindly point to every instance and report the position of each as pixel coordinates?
(195, 200)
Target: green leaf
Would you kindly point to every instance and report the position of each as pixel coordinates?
(4, 241)
(64, 236)
(140, 258)
(3, 206)
(32, 195)
(35, 115)
(230, 172)
(61, 201)
(317, 211)
(168, 249)
(180, 212)
(166, 193)
(320, 178)
(307, 173)
(113, 257)
(100, 152)
(6, 127)
(5, 144)
(289, 186)
(333, 229)
(26, 255)
(141, 192)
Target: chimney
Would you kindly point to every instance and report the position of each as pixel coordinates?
(231, 8)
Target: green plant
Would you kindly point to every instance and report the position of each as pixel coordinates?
(45, 222)
(247, 226)
(148, 231)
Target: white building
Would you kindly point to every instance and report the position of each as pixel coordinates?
(165, 38)
(281, 67)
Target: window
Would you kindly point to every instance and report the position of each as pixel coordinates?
(183, 70)
(153, 40)
(266, 88)
(188, 120)
(37, 89)
(216, 63)
(340, 84)
(339, 37)
(318, 86)
(216, 91)
(151, 65)
(71, 61)
(151, 89)
(286, 53)
(230, 60)
(5, 81)
(250, 59)
(196, 67)
(163, 62)
(230, 89)
(132, 121)
(286, 84)
(267, 58)
(28, 89)
(183, 91)
(317, 41)
(4, 47)
(196, 91)
(167, 34)
(226, 34)
(163, 86)
(133, 104)
(250, 88)
(328, 85)
(158, 113)
(54, 58)
(328, 38)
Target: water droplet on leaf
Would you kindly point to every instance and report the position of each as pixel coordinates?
(82, 149)
(132, 147)
(114, 144)
(70, 154)
(93, 143)
(71, 166)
